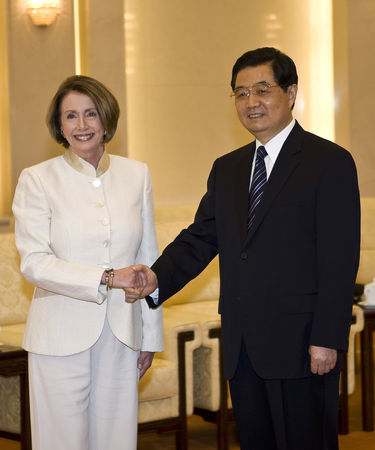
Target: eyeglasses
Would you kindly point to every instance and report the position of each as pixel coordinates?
(258, 90)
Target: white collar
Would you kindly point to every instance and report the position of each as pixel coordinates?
(274, 145)
(85, 167)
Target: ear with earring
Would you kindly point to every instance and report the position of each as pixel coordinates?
(62, 132)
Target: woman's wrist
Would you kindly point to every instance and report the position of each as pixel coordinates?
(107, 278)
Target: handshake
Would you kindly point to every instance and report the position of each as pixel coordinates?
(137, 281)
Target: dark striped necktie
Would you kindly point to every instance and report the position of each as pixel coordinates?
(257, 185)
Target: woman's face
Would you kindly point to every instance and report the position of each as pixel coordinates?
(81, 125)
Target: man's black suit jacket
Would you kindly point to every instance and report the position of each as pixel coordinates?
(288, 283)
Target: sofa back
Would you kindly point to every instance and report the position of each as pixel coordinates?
(169, 221)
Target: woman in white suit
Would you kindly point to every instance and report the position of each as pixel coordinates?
(80, 218)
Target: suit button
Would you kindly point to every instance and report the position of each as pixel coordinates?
(244, 255)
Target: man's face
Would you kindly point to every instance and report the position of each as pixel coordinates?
(264, 115)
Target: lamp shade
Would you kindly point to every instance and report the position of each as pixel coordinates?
(43, 12)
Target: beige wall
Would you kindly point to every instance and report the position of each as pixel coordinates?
(41, 57)
(5, 145)
(361, 76)
(354, 37)
(179, 57)
(107, 57)
(171, 76)
(341, 72)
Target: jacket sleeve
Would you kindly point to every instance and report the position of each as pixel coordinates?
(338, 243)
(147, 254)
(39, 264)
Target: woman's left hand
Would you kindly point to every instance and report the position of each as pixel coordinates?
(144, 362)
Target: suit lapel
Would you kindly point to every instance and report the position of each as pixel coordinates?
(287, 161)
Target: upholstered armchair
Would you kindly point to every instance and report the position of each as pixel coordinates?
(211, 394)
(166, 390)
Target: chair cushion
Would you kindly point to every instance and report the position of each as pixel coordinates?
(160, 381)
(158, 392)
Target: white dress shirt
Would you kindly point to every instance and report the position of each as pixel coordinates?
(273, 148)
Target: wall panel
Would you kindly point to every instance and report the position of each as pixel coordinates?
(39, 59)
(179, 57)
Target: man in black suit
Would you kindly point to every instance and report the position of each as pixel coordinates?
(283, 214)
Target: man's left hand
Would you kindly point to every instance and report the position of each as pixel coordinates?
(323, 359)
(144, 362)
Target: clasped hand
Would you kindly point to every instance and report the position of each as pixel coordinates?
(137, 281)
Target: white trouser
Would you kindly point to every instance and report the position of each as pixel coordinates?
(86, 401)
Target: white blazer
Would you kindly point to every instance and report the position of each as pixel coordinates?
(72, 221)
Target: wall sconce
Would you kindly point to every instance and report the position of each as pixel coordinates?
(43, 12)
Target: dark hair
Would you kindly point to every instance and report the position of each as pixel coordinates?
(284, 69)
(104, 101)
